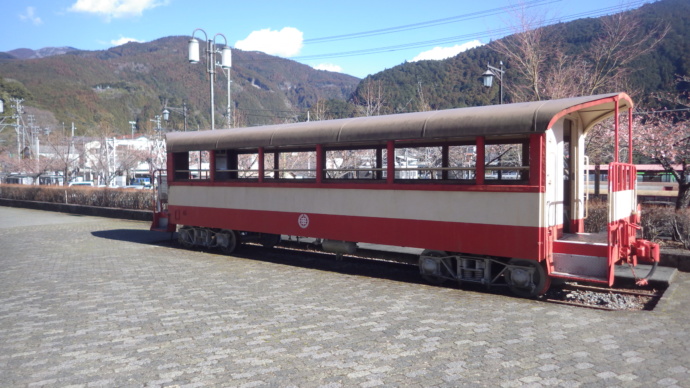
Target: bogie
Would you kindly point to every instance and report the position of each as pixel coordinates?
(525, 278)
(224, 239)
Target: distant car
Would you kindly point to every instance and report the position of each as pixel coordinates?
(90, 184)
(134, 187)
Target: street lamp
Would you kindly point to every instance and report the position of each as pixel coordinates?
(211, 51)
(489, 75)
(182, 111)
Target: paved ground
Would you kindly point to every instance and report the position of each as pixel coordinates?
(91, 302)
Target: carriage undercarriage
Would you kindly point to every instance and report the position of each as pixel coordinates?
(526, 278)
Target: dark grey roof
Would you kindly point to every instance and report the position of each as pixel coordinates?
(520, 118)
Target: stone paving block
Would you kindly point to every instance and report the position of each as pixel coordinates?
(83, 303)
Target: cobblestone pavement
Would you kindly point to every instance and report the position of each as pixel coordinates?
(90, 302)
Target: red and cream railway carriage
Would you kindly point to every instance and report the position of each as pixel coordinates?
(493, 194)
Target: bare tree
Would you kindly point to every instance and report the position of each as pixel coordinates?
(239, 118)
(423, 103)
(545, 71)
(319, 110)
(66, 155)
(623, 39)
(526, 51)
(372, 101)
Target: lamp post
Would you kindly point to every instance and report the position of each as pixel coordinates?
(182, 111)
(489, 75)
(211, 51)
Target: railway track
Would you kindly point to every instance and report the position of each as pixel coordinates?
(402, 267)
(602, 298)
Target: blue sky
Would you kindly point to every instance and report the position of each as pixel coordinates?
(355, 37)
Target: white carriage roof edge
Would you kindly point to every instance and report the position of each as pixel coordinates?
(518, 118)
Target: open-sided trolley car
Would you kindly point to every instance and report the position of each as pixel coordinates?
(493, 194)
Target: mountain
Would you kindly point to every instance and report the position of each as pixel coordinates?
(456, 81)
(106, 89)
(25, 53)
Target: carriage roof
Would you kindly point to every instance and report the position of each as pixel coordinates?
(494, 120)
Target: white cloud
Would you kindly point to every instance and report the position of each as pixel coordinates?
(329, 67)
(285, 43)
(438, 53)
(115, 8)
(123, 40)
(30, 15)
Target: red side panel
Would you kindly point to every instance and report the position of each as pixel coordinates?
(494, 240)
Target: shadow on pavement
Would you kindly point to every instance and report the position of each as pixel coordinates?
(303, 258)
(135, 235)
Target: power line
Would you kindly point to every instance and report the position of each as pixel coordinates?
(430, 23)
(465, 37)
(446, 40)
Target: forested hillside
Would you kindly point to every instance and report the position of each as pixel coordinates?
(104, 90)
(456, 82)
(109, 88)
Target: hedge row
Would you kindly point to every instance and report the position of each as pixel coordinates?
(667, 222)
(657, 222)
(79, 195)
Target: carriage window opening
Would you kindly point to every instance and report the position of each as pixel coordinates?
(180, 166)
(192, 165)
(419, 163)
(506, 162)
(462, 161)
(353, 164)
(248, 166)
(290, 165)
(226, 165)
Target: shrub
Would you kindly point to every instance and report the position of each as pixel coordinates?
(680, 226)
(81, 195)
(597, 215)
(657, 222)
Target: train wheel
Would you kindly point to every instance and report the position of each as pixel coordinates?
(185, 236)
(227, 240)
(527, 278)
(432, 270)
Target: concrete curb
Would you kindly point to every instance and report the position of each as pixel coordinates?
(127, 214)
(676, 258)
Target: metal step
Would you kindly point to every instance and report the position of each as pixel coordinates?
(581, 266)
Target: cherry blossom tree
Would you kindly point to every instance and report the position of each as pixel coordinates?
(666, 140)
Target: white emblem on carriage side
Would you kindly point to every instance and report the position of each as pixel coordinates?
(303, 221)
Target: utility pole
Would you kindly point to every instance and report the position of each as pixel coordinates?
(133, 124)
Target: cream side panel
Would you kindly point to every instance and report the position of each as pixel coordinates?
(623, 204)
(579, 170)
(513, 209)
(554, 175)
